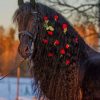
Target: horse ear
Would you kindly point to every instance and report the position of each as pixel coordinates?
(20, 2)
(33, 3)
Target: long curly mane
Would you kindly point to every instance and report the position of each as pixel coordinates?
(57, 80)
(56, 67)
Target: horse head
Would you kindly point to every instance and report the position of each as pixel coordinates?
(27, 19)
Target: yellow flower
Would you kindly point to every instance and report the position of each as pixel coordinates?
(46, 21)
(51, 28)
(47, 28)
(65, 30)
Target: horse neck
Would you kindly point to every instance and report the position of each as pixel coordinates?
(86, 52)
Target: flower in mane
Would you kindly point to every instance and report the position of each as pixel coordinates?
(46, 19)
(64, 27)
(67, 62)
(67, 46)
(62, 51)
(56, 18)
(56, 42)
(50, 33)
(45, 41)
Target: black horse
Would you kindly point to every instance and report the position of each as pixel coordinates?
(43, 37)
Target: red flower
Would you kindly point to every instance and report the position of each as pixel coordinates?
(45, 18)
(67, 62)
(45, 41)
(76, 39)
(67, 46)
(50, 54)
(50, 33)
(64, 26)
(56, 17)
(62, 51)
(56, 42)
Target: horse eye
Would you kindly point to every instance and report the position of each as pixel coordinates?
(20, 35)
(30, 38)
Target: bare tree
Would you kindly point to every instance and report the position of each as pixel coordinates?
(84, 12)
(88, 10)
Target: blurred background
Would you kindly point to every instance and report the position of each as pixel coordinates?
(84, 15)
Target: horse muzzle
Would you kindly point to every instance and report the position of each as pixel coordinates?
(25, 51)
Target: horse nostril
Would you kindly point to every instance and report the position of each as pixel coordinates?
(26, 49)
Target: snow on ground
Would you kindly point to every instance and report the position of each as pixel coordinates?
(8, 89)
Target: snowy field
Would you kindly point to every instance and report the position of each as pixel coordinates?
(8, 89)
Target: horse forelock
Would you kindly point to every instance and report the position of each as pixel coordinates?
(22, 15)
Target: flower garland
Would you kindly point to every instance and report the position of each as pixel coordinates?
(66, 51)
